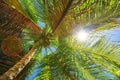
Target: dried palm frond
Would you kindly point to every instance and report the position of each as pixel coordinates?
(13, 22)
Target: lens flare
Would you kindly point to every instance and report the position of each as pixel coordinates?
(81, 35)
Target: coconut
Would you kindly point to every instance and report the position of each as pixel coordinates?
(12, 46)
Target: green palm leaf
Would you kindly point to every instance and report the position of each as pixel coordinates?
(66, 15)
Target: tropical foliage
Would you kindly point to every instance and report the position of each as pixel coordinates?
(49, 26)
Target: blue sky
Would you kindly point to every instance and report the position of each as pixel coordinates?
(114, 35)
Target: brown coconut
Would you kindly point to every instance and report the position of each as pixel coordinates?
(12, 46)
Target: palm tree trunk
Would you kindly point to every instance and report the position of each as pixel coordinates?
(18, 67)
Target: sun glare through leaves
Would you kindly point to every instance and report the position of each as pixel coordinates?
(81, 35)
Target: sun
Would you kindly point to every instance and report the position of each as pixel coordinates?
(81, 35)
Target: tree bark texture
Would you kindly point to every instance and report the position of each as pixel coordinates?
(18, 67)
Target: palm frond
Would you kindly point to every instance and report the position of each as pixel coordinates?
(63, 16)
(12, 22)
(76, 61)
(5, 64)
(103, 53)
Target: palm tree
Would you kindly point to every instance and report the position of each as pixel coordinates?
(70, 60)
(12, 24)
